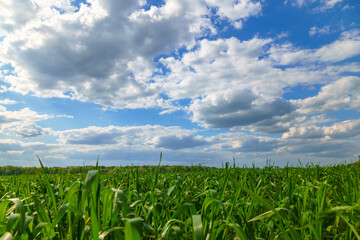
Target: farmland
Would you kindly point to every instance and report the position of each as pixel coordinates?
(308, 202)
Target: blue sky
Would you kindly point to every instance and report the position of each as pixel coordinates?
(202, 81)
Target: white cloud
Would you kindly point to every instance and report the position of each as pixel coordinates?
(340, 130)
(7, 101)
(331, 149)
(343, 93)
(28, 130)
(15, 152)
(291, 149)
(242, 144)
(319, 31)
(219, 65)
(103, 52)
(143, 137)
(21, 122)
(238, 83)
(328, 4)
(215, 66)
(107, 52)
(142, 145)
(236, 11)
(11, 118)
(318, 5)
(347, 46)
(236, 108)
(176, 142)
(97, 57)
(9, 145)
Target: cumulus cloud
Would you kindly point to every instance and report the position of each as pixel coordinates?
(223, 64)
(7, 101)
(9, 145)
(11, 118)
(238, 83)
(230, 109)
(101, 53)
(107, 52)
(255, 145)
(340, 130)
(310, 148)
(175, 142)
(324, 149)
(16, 14)
(28, 130)
(235, 11)
(237, 142)
(21, 123)
(343, 93)
(147, 136)
(347, 46)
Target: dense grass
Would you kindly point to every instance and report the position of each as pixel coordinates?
(229, 203)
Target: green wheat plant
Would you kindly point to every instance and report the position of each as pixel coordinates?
(306, 202)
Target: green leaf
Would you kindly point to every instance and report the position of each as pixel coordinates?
(48, 186)
(3, 207)
(198, 231)
(21, 208)
(36, 231)
(133, 229)
(168, 226)
(7, 236)
(110, 230)
(60, 215)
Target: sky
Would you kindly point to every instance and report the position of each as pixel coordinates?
(202, 81)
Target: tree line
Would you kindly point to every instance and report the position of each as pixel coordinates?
(17, 170)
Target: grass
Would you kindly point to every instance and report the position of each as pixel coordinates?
(308, 202)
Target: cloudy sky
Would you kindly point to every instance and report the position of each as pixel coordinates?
(202, 81)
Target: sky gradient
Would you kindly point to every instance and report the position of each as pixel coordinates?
(201, 81)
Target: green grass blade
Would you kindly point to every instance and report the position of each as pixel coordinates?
(351, 227)
(93, 185)
(97, 162)
(133, 229)
(7, 236)
(40, 210)
(13, 221)
(60, 215)
(21, 208)
(110, 230)
(198, 231)
(269, 206)
(3, 207)
(48, 186)
(37, 230)
(157, 173)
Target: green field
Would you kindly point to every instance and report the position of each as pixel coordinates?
(308, 202)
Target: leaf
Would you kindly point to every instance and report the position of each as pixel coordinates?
(110, 230)
(21, 208)
(262, 216)
(133, 229)
(3, 207)
(48, 186)
(7, 236)
(198, 231)
(60, 215)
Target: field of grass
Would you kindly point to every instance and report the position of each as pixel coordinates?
(198, 203)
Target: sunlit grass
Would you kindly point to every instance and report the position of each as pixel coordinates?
(309, 202)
